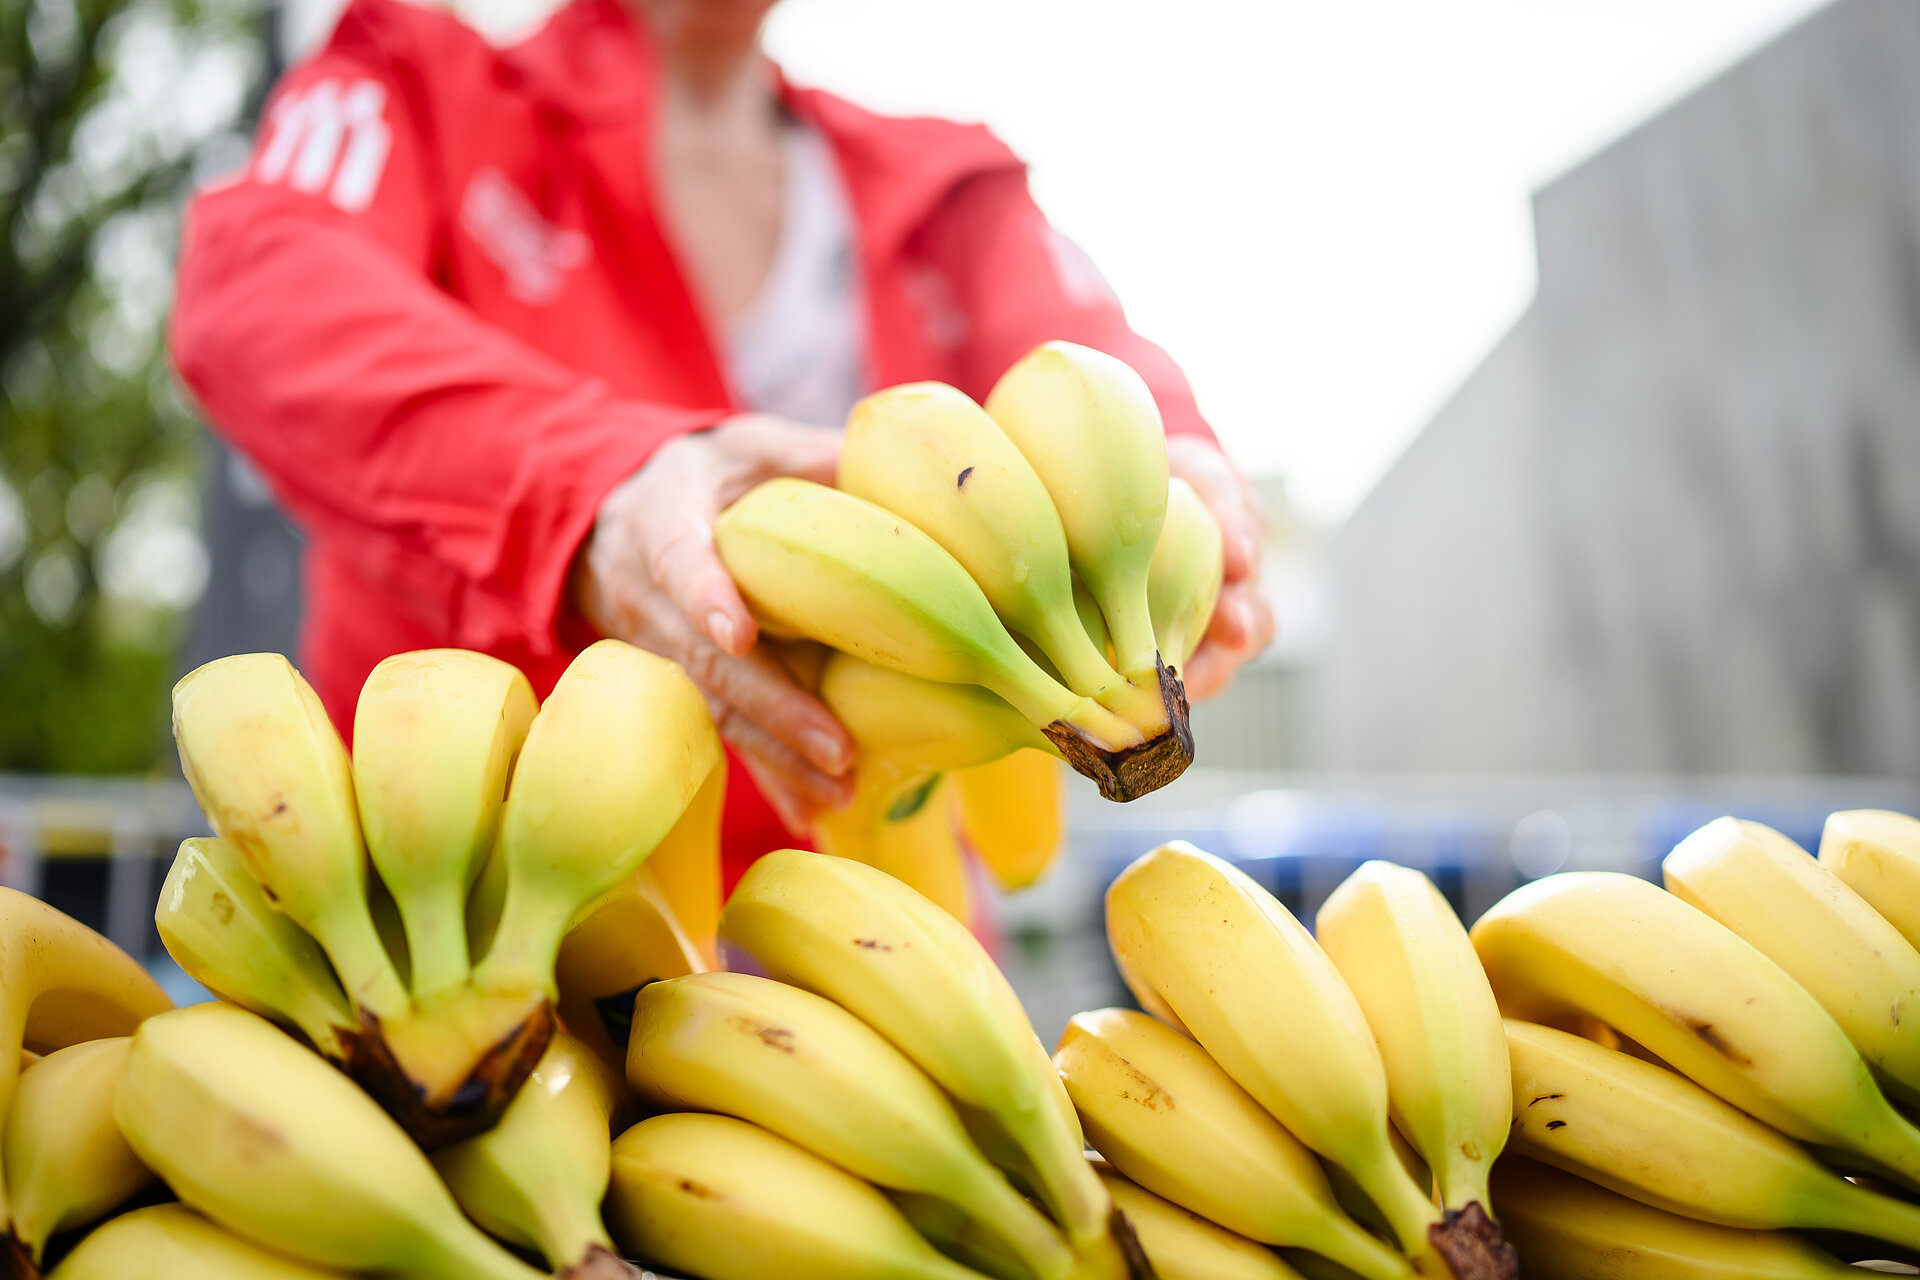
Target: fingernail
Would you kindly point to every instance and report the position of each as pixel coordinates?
(1249, 549)
(823, 749)
(720, 627)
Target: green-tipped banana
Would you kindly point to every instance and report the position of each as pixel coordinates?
(220, 929)
(172, 1242)
(66, 1163)
(266, 1139)
(806, 1069)
(1654, 1135)
(1184, 580)
(1877, 853)
(274, 779)
(1182, 1245)
(928, 453)
(722, 1199)
(434, 741)
(536, 1179)
(912, 972)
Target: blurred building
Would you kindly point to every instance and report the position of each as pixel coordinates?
(1673, 522)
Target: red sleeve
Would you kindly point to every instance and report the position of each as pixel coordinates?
(1020, 283)
(448, 461)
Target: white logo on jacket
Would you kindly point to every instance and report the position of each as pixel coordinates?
(331, 136)
(531, 252)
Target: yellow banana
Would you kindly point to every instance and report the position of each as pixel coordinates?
(1184, 1246)
(1409, 963)
(1877, 853)
(722, 1199)
(220, 929)
(66, 1163)
(1654, 1135)
(865, 941)
(632, 937)
(905, 829)
(1184, 580)
(1165, 1115)
(60, 984)
(536, 1179)
(1618, 949)
(1009, 814)
(686, 865)
(1196, 936)
(1567, 1229)
(806, 1069)
(929, 454)
(172, 1242)
(927, 726)
(274, 779)
(816, 562)
(1805, 919)
(434, 740)
(265, 1138)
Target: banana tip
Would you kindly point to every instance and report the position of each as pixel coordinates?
(1472, 1246)
(1136, 771)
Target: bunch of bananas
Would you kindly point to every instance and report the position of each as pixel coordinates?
(1020, 576)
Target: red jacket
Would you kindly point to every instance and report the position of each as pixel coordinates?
(439, 311)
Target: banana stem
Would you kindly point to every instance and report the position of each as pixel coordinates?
(1860, 1211)
(1408, 1210)
(474, 1257)
(366, 970)
(1895, 1143)
(525, 946)
(1083, 667)
(567, 1230)
(1351, 1247)
(435, 920)
(1004, 1212)
(1129, 622)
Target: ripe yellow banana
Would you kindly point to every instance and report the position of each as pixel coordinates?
(1009, 815)
(1568, 1229)
(265, 1138)
(1621, 950)
(1877, 853)
(632, 937)
(1164, 1114)
(722, 1199)
(172, 1242)
(927, 726)
(686, 865)
(804, 1068)
(60, 984)
(1654, 1135)
(903, 826)
(1182, 1245)
(1196, 936)
(1090, 428)
(220, 929)
(912, 972)
(536, 1179)
(434, 740)
(274, 779)
(817, 562)
(1184, 580)
(1805, 919)
(66, 1163)
(1408, 962)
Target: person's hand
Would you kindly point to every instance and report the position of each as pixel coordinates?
(1243, 616)
(648, 574)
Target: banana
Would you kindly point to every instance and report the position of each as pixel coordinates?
(1184, 1246)
(1877, 854)
(1657, 1137)
(1567, 1229)
(686, 866)
(1413, 971)
(632, 937)
(434, 740)
(929, 454)
(1195, 936)
(1618, 949)
(536, 1179)
(891, 958)
(1090, 428)
(60, 984)
(904, 828)
(1183, 581)
(220, 929)
(816, 562)
(1165, 1115)
(274, 779)
(172, 1242)
(1009, 815)
(66, 1163)
(804, 1068)
(722, 1199)
(926, 726)
(266, 1139)
(1805, 919)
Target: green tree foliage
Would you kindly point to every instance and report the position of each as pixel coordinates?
(107, 110)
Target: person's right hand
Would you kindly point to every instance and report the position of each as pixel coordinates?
(648, 574)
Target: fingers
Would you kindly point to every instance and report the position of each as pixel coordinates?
(1242, 626)
(798, 794)
(757, 691)
(678, 554)
(1233, 502)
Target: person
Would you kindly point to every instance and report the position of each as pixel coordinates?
(507, 328)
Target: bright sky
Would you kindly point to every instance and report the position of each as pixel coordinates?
(1319, 208)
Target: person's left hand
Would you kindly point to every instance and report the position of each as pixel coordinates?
(1242, 622)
